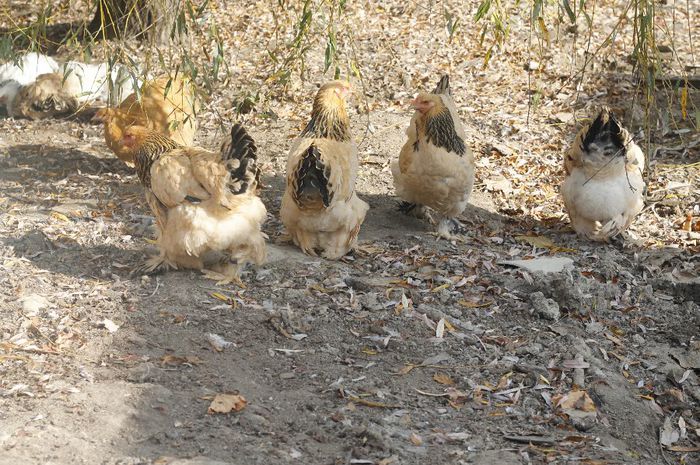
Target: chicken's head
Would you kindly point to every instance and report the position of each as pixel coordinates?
(601, 144)
(329, 117)
(332, 96)
(134, 137)
(426, 103)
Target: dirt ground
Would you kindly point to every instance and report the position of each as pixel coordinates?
(408, 351)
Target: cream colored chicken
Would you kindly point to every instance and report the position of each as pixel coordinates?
(320, 208)
(603, 188)
(435, 168)
(50, 96)
(172, 115)
(203, 202)
(67, 89)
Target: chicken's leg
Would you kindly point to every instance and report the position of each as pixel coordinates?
(415, 210)
(225, 273)
(450, 229)
(156, 264)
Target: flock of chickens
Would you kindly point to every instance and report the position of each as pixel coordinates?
(208, 214)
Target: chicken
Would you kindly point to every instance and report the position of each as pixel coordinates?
(172, 115)
(39, 87)
(99, 82)
(435, 168)
(603, 188)
(49, 96)
(13, 76)
(320, 208)
(204, 202)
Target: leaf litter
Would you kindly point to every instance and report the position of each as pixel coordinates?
(454, 309)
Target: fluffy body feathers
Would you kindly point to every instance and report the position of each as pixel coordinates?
(320, 208)
(171, 115)
(38, 87)
(15, 75)
(197, 211)
(603, 189)
(435, 167)
(92, 81)
(48, 97)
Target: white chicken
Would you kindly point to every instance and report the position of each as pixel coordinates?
(603, 188)
(14, 75)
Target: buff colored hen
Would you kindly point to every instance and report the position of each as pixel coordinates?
(203, 202)
(603, 188)
(167, 106)
(435, 168)
(320, 208)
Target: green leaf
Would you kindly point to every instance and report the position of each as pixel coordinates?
(328, 57)
(355, 70)
(487, 57)
(569, 11)
(536, 10)
(483, 9)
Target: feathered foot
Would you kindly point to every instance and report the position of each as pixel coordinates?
(154, 265)
(224, 275)
(415, 210)
(605, 232)
(406, 207)
(450, 229)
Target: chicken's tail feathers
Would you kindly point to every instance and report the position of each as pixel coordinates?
(443, 85)
(241, 156)
(606, 130)
(310, 186)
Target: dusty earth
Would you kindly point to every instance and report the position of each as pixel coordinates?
(408, 351)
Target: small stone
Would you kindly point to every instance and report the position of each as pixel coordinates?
(639, 339)
(143, 373)
(594, 327)
(544, 307)
(254, 421)
(287, 375)
(495, 457)
(531, 66)
(197, 461)
(371, 302)
(582, 423)
(534, 349)
(33, 303)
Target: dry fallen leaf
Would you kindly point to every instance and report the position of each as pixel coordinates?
(457, 398)
(668, 434)
(59, 216)
(440, 329)
(442, 378)
(389, 460)
(416, 440)
(469, 304)
(109, 325)
(227, 403)
(576, 400)
(688, 223)
(217, 342)
(543, 243)
(175, 360)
